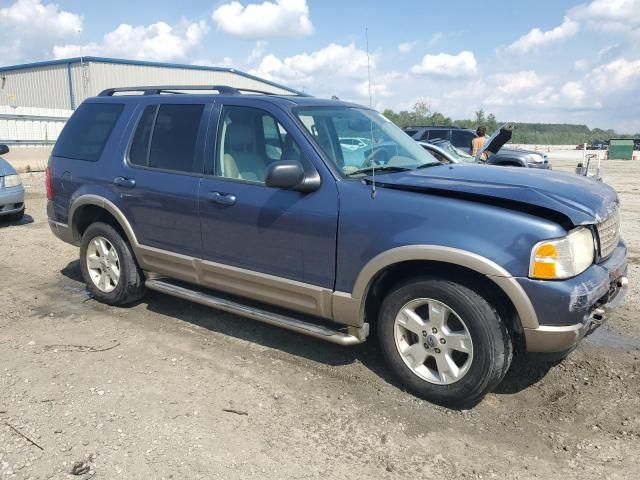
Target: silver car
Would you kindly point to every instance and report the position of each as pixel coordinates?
(11, 190)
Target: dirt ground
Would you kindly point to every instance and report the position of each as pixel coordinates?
(169, 389)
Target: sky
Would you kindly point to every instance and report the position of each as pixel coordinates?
(557, 61)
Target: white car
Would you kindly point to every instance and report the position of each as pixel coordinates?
(354, 143)
(11, 190)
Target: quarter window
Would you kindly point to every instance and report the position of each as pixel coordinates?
(87, 131)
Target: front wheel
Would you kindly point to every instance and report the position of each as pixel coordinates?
(443, 341)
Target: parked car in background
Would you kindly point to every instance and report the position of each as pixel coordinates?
(455, 266)
(11, 190)
(354, 143)
(445, 152)
(599, 145)
(459, 137)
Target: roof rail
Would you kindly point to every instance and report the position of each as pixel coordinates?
(180, 89)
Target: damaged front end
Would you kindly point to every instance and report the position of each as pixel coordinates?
(569, 310)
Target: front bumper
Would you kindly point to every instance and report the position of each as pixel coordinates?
(546, 165)
(11, 200)
(571, 309)
(551, 339)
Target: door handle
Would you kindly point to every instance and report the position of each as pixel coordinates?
(124, 182)
(222, 198)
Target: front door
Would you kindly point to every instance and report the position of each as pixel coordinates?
(270, 244)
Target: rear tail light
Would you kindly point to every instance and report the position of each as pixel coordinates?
(49, 184)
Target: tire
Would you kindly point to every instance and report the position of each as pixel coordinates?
(473, 337)
(127, 286)
(16, 217)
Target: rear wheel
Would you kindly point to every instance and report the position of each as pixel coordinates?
(443, 341)
(108, 266)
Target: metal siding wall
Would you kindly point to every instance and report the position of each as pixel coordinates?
(36, 91)
(107, 75)
(44, 87)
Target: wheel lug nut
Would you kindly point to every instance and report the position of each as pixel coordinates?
(424, 333)
(443, 341)
(426, 345)
(434, 330)
(437, 350)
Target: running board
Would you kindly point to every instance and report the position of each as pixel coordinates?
(355, 335)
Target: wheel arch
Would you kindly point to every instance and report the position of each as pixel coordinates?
(400, 263)
(88, 209)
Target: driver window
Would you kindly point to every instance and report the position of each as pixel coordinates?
(249, 140)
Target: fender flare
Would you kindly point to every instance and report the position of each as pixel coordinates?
(349, 306)
(109, 206)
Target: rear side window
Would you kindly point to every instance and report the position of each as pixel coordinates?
(166, 137)
(87, 131)
(462, 138)
(442, 134)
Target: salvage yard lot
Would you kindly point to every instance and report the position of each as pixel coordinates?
(170, 389)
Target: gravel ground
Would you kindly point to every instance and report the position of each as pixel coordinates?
(169, 389)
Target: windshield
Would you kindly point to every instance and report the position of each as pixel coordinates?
(455, 152)
(379, 143)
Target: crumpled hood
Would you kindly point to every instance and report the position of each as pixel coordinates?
(580, 199)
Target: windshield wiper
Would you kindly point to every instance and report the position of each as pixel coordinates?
(381, 168)
(427, 165)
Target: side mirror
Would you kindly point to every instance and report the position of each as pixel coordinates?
(290, 175)
(4, 149)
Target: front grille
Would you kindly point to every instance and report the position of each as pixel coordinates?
(609, 234)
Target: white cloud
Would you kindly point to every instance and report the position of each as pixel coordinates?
(444, 65)
(29, 27)
(282, 18)
(333, 70)
(609, 15)
(536, 38)
(517, 82)
(334, 59)
(406, 47)
(573, 92)
(616, 77)
(258, 51)
(159, 41)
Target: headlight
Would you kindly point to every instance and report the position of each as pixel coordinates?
(12, 181)
(536, 158)
(564, 257)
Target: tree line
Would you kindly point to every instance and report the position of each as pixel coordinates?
(527, 133)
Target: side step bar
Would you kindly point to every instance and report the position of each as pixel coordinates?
(355, 335)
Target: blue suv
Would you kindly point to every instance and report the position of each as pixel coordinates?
(243, 201)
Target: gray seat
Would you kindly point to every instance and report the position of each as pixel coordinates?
(241, 159)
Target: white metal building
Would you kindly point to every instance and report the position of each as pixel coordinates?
(37, 98)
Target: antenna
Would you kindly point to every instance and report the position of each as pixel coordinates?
(373, 146)
(366, 36)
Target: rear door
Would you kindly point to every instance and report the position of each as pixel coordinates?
(162, 172)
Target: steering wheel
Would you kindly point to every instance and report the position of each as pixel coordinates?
(377, 157)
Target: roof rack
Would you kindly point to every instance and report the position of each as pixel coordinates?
(181, 89)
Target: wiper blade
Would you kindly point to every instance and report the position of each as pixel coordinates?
(427, 165)
(381, 168)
